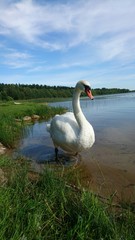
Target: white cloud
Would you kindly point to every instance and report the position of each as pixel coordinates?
(15, 59)
(62, 66)
(78, 21)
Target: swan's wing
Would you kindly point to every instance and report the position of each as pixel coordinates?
(69, 115)
(64, 128)
(48, 125)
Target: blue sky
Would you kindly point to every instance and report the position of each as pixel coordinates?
(58, 42)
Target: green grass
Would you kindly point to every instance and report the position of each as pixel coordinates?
(10, 130)
(28, 108)
(47, 100)
(47, 206)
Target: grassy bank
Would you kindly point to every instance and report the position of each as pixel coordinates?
(48, 206)
(10, 130)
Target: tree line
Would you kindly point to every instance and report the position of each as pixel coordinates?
(21, 91)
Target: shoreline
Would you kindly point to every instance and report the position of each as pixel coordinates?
(105, 180)
(108, 173)
(103, 171)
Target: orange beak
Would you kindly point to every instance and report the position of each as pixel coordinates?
(89, 94)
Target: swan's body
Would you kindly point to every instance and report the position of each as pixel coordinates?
(71, 131)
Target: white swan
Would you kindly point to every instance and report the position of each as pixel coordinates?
(71, 131)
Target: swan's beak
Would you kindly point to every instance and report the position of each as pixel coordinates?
(89, 94)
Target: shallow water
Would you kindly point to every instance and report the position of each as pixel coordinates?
(113, 119)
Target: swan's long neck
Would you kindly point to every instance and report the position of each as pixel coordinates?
(80, 118)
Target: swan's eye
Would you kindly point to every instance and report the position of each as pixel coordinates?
(87, 88)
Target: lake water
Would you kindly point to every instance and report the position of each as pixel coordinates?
(113, 119)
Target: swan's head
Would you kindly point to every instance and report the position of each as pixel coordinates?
(84, 86)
